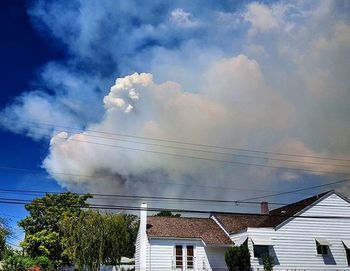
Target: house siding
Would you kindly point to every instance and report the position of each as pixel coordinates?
(160, 255)
(294, 241)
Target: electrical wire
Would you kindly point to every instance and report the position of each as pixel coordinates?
(210, 151)
(191, 143)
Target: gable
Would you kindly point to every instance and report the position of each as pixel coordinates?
(331, 204)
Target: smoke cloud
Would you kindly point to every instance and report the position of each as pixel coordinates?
(251, 76)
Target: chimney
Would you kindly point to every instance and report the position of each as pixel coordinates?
(143, 236)
(264, 207)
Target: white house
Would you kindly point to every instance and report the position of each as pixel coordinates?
(311, 234)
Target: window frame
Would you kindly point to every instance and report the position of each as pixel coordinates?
(176, 256)
(193, 256)
(185, 260)
(260, 254)
(321, 249)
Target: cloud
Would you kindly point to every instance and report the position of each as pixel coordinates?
(183, 18)
(137, 105)
(252, 76)
(261, 17)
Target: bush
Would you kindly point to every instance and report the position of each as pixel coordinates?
(238, 258)
(18, 261)
(267, 262)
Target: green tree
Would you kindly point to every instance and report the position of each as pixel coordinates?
(5, 232)
(167, 213)
(133, 227)
(238, 258)
(116, 238)
(84, 239)
(42, 236)
(93, 239)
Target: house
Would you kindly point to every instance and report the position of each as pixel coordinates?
(311, 234)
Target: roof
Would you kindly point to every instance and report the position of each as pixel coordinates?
(233, 223)
(182, 227)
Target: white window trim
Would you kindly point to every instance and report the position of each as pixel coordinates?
(184, 256)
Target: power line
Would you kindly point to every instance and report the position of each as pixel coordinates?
(210, 159)
(210, 151)
(160, 198)
(192, 143)
(34, 171)
(134, 208)
(298, 190)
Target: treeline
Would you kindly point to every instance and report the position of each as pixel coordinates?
(61, 231)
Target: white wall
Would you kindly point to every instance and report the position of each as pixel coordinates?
(294, 242)
(161, 254)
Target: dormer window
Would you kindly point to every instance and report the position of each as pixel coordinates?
(322, 246)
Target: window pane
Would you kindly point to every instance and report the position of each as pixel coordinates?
(190, 254)
(324, 250)
(319, 250)
(178, 256)
(259, 251)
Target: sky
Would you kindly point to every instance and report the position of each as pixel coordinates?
(174, 98)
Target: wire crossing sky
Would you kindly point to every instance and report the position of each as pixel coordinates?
(175, 99)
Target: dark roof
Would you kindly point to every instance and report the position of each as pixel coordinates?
(183, 227)
(236, 222)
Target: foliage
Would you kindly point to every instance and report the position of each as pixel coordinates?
(238, 258)
(268, 262)
(133, 227)
(42, 236)
(92, 239)
(83, 237)
(15, 260)
(167, 213)
(4, 233)
(116, 237)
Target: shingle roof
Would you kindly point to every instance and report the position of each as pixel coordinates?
(183, 227)
(236, 222)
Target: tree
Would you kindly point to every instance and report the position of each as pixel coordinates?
(92, 239)
(4, 233)
(116, 237)
(133, 228)
(167, 213)
(238, 258)
(42, 236)
(84, 239)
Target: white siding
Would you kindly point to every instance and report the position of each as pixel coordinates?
(294, 241)
(161, 255)
(216, 257)
(137, 252)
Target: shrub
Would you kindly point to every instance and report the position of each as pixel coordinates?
(267, 262)
(238, 258)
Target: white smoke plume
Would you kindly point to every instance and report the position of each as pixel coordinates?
(257, 76)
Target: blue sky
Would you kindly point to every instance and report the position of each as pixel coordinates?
(270, 76)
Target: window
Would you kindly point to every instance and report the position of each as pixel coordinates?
(184, 257)
(190, 257)
(321, 249)
(178, 256)
(260, 251)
